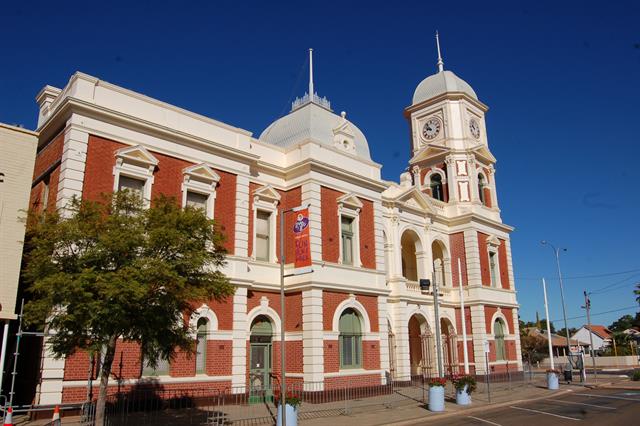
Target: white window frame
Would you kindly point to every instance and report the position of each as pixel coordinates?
(493, 245)
(350, 206)
(137, 163)
(266, 199)
(200, 179)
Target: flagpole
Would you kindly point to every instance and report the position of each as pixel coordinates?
(463, 319)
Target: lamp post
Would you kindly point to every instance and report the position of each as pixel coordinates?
(556, 252)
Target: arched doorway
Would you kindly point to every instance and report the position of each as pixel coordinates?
(449, 346)
(421, 348)
(441, 266)
(412, 255)
(260, 359)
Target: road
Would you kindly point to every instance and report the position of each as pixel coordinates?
(583, 407)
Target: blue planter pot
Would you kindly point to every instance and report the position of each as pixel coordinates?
(292, 415)
(436, 398)
(552, 381)
(463, 397)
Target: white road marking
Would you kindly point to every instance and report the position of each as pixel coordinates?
(543, 412)
(608, 396)
(486, 421)
(582, 403)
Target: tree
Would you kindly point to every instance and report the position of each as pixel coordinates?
(637, 292)
(562, 331)
(114, 270)
(534, 348)
(623, 323)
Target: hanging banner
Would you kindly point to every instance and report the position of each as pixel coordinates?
(301, 238)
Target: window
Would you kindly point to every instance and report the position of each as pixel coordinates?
(436, 187)
(201, 346)
(350, 340)
(136, 186)
(493, 267)
(498, 328)
(481, 185)
(161, 369)
(263, 228)
(197, 200)
(347, 240)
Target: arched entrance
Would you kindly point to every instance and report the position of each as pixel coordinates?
(260, 359)
(449, 346)
(421, 348)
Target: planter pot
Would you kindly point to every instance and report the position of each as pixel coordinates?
(552, 381)
(436, 398)
(463, 397)
(292, 415)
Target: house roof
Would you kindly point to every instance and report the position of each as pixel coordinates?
(556, 339)
(599, 330)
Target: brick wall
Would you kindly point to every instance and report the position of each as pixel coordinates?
(351, 381)
(330, 225)
(367, 236)
(290, 199)
(46, 157)
(218, 362)
(293, 305)
(484, 259)
(456, 242)
(468, 323)
(370, 355)
(504, 267)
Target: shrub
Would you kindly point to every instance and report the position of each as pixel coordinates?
(460, 381)
(292, 400)
(635, 376)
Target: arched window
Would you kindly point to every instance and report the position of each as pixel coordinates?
(498, 328)
(350, 340)
(481, 185)
(436, 187)
(201, 346)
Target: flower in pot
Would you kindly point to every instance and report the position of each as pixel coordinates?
(464, 385)
(552, 378)
(436, 393)
(291, 404)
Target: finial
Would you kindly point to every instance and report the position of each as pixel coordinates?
(343, 114)
(440, 62)
(311, 74)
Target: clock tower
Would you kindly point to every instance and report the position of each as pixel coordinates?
(451, 160)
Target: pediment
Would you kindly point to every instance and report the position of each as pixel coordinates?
(267, 193)
(350, 200)
(483, 153)
(429, 152)
(201, 172)
(343, 129)
(415, 200)
(137, 154)
(493, 241)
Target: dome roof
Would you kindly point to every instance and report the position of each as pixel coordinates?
(442, 82)
(312, 121)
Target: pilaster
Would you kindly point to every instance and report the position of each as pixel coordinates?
(516, 333)
(241, 242)
(312, 339)
(378, 229)
(474, 272)
(399, 313)
(52, 376)
(239, 350)
(385, 365)
(311, 197)
(478, 335)
(72, 166)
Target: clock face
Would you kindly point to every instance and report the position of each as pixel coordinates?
(431, 128)
(474, 127)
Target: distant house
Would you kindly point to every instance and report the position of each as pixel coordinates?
(601, 336)
(558, 342)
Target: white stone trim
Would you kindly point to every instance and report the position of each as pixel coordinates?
(264, 309)
(266, 199)
(346, 372)
(200, 179)
(352, 303)
(499, 315)
(138, 163)
(493, 244)
(204, 311)
(350, 206)
(163, 379)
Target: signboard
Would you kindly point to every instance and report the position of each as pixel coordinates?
(301, 238)
(487, 347)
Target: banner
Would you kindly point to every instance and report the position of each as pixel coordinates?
(301, 236)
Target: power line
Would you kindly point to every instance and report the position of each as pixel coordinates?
(578, 277)
(602, 313)
(617, 283)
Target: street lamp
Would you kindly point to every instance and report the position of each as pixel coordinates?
(556, 251)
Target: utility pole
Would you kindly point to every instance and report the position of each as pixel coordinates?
(587, 306)
(546, 313)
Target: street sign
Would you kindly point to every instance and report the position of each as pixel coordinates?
(487, 347)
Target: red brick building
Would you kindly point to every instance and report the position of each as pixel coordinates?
(361, 318)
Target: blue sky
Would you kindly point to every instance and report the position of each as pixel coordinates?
(561, 81)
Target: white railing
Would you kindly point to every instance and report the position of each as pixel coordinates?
(322, 101)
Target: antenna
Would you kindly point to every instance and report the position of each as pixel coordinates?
(311, 74)
(440, 62)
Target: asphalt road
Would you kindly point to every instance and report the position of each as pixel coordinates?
(607, 407)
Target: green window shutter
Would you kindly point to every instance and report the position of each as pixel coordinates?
(350, 340)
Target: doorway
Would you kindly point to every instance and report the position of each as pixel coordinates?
(260, 360)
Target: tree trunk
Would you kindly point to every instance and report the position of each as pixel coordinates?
(105, 372)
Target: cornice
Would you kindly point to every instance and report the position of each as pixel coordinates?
(473, 217)
(452, 96)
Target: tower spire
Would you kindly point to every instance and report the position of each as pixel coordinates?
(311, 74)
(440, 62)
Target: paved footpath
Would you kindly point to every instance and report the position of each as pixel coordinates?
(455, 414)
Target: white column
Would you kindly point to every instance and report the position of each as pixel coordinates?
(72, 166)
(311, 196)
(52, 376)
(507, 247)
(452, 181)
(479, 334)
(385, 365)
(474, 272)
(312, 340)
(378, 226)
(399, 313)
(516, 333)
(3, 351)
(239, 349)
(241, 242)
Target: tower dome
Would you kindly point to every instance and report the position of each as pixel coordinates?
(441, 82)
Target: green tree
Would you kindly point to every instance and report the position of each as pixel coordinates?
(114, 270)
(562, 331)
(637, 292)
(534, 348)
(622, 323)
